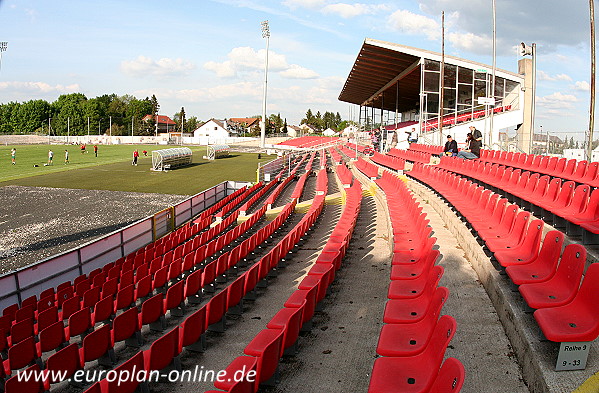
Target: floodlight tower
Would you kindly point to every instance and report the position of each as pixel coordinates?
(3, 46)
(531, 51)
(265, 34)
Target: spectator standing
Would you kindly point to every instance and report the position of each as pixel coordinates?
(135, 157)
(477, 135)
(13, 155)
(96, 150)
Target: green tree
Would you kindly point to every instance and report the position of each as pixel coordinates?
(68, 118)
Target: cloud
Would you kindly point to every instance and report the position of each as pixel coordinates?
(245, 59)
(471, 42)
(557, 101)
(352, 10)
(543, 76)
(407, 22)
(295, 4)
(38, 87)
(297, 72)
(550, 25)
(165, 67)
(581, 86)
(207, 94)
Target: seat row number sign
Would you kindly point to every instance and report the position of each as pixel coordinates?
(572, 356)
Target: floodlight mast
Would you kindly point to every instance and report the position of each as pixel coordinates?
(531, 51)
(3, 47)
(265, 34)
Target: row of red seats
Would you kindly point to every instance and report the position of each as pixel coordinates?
(409, 155)
(281, 333)
(430, 149)
(299, 186)
(116, 294)
(551, 288)
(154, 308)
(413, 340)
(220, 204)
(359, 148)
(564, 205)
(335, 156)
(578, 171)
(166, 349)
(126, 293)
(235, 202)
(309, 141)
(460, 118)
(349, 153)
(254, 198)
(367, 168)
(395, 163)
(344, 174)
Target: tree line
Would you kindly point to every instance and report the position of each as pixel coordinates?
(78, 115)
(323, 121)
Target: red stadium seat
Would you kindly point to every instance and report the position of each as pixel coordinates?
(239, 369)
(577, 321)
(192, 331)
(51, 338)
(543, 267)
(98, 346)
(290, 320)
(129, 368)
(413, 373)
(563, 286)
(66, 361)
(450, 378)
(126, 327)
(266, 346)
(22, 385)
(152, 313)
(163, 352)
(412, 310)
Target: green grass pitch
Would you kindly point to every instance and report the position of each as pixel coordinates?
(112, 169)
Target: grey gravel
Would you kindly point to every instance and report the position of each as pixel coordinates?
(38, 222)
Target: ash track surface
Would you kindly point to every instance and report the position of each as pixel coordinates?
(38, 222)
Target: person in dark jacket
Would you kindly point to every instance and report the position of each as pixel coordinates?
(473, 149)
(451, 147)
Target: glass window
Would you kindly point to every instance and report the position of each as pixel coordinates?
(449, 99)
(431, 81)
(480, 89)
(465, 75)
(449, 77)
(480, 75)
(465, 94)
(432, 103)
(432, 65)
(499, 87)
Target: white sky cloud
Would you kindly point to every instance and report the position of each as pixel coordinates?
(470, 42)
(295, 4)
(410, 23)
(246, 59)
(557, 101)
(582, 86)
(543, 76)
(298, 72)
(38, 87)
(164, 67)
(352, 10)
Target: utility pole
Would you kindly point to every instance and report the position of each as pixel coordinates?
(493, 76)
(442, 76)
(265, 34)
(3, 47)
(592, 105)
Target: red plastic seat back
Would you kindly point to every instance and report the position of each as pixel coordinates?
(151, 309)
(266, 345)
(125, 325)
(217, 306)
(64, 361)
(162, 351)
(29, 385)
(130, 367)
(450, 378)
(96, 344)
(52, 337)
(193, 327)
(22, 354)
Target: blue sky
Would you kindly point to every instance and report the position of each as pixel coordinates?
(208, 55)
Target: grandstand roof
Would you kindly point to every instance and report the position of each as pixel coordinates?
(379, 65)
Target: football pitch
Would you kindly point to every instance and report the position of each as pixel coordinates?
(112, 169)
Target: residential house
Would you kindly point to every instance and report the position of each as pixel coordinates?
(165, 123)
(213, 128)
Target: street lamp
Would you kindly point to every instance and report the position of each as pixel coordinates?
(3, 46)
(526, 50)
(265, 34)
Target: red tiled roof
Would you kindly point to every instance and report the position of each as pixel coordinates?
(162, 119)
(247, 120)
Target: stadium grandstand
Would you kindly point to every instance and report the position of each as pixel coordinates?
(398, 86)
